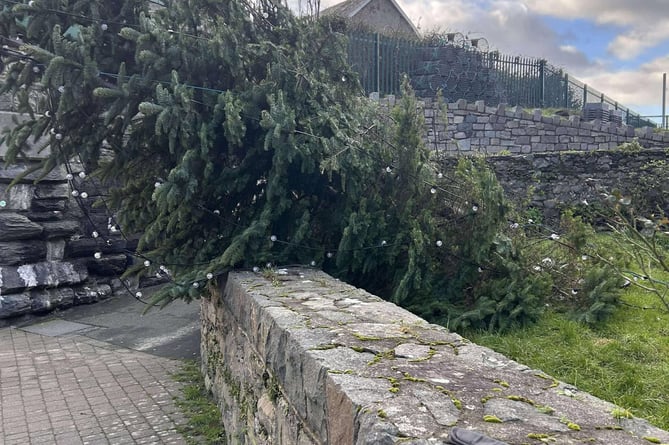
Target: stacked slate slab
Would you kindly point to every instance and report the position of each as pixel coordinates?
(47, 251)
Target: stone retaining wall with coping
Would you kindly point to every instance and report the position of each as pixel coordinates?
(295, 356)
(469, 128)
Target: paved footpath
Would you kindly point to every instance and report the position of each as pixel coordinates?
(59, 384)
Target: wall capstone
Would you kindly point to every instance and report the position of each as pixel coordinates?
(301, 358)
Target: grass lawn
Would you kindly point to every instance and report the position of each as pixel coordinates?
(624, 361)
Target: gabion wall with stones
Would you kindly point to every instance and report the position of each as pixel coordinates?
(299, 357)
(46, 246)
(469, 128)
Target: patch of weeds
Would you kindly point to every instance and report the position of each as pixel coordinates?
(204, 425)
(502, 383)
(621, 413)
(389, 354)
(270, 274)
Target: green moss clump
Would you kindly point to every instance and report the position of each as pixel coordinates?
(491, 419)
(521, 399)
(538, 436)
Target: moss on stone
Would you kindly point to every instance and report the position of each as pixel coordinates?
(491, 419)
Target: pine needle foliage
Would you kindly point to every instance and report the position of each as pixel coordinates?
(233, 134)
(228, 122)
(230, 134)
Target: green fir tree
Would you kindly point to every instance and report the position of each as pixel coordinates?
(233, 134)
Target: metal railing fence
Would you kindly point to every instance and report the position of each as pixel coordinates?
(464, 72)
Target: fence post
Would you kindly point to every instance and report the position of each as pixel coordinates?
(585, 95)
(378, 64)
(664, 100)
(566, 90)
(542, 83)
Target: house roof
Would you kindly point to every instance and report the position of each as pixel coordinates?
(350, 8)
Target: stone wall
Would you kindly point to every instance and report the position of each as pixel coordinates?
(477, 128)
(46, 248)
(297, 357)
(550, 182)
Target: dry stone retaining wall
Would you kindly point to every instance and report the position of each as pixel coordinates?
(46, 249)
(550, 182)
(297, 357)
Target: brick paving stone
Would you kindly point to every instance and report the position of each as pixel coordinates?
(72, 390)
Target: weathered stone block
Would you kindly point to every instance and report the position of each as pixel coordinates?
(18, 197)
(46, 274)
(91, 293)
(108, 265)
(54, 190)
(60, 229)
(48, 205)
(9, 172)
(55, 250)
(14, 305)
(21, 252)
(86, 247)
(16, 227)
(46, 300)
(53, 215)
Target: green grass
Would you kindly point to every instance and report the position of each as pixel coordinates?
(204, 422)
(624, 361)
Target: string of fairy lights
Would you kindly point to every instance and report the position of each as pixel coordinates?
(76, 179)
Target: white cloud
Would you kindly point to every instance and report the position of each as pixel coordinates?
(569, 49)
(632, 43)
(643, 24)
(641, 87)
(509, 26)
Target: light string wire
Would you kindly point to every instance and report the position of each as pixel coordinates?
(78, 197)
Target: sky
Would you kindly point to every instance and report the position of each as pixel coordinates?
(619, 47)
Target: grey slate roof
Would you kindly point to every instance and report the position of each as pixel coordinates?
(349, 8)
